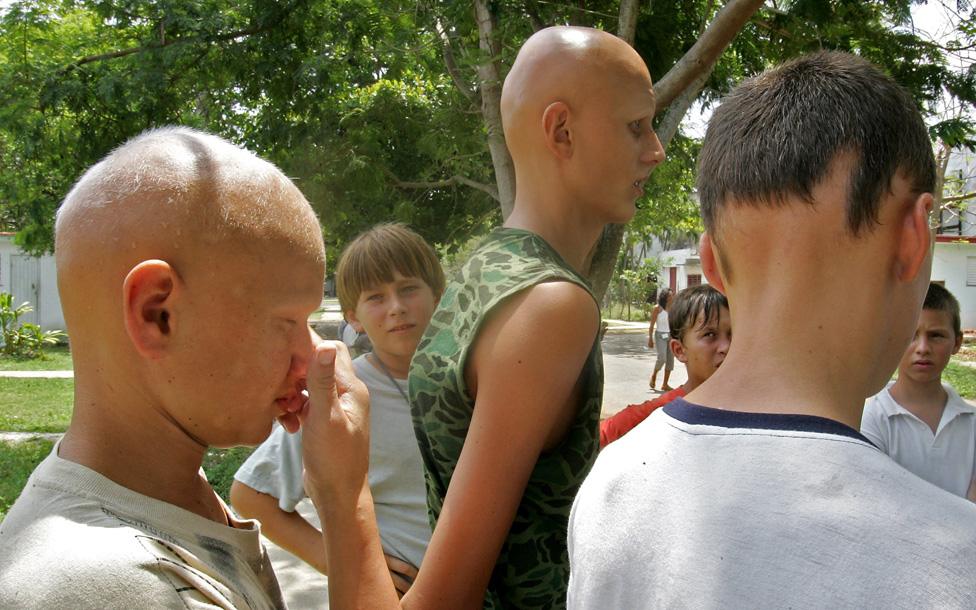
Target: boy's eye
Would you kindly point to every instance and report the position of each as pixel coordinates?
(635, 126)
(374, 297)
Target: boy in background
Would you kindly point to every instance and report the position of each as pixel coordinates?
(921, 422)
(701, 333)
(757, 490)
(388, 280)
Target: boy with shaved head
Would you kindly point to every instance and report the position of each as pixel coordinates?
(187, 268)
(757, 490)
(507, 426)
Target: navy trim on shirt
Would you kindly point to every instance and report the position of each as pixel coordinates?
(691, 413)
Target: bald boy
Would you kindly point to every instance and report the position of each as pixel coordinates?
(507, 382)
(757, 490)
(187, 269)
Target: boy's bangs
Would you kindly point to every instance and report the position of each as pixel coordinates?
(376, 256)
(691, 303)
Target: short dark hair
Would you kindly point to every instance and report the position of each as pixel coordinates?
(375, 254)
(776, 135)
(690, 303)
(940, 299)
(662, 298)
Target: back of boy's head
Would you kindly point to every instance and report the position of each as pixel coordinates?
(376, 254)
(662, 298)
(940, 299)
(693, 303)
(776, 136)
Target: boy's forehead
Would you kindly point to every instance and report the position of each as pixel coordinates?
(397, 277)
(931, 318)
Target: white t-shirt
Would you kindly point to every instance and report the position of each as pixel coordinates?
(396, 475)
(662, 325)
(705, 508)
(76, 539)
(946, 458)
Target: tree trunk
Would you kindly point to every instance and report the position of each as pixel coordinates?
(683, 81)
(489, 75)
(627, 23)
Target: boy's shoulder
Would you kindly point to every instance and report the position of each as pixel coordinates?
(883, 404)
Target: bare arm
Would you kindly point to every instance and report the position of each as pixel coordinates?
(650, 331)
(529, 382)
(289, 530)
(335, 452)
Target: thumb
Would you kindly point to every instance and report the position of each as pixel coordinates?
(332, 384)
(320, 378)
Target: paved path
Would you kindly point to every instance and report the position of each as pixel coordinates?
(627, 365)
(39, 374)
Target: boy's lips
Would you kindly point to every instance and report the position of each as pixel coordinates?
(401, 327)
(291, 402)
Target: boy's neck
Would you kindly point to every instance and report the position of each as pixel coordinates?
(148, 453)
(925, 400)
(397, 367)
(572, 235)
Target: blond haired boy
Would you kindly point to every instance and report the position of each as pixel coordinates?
(187, 269)
(388, 280)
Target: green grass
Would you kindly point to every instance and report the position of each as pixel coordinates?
(220, 466)
(962, 378)
(57, 358)
(619, 311)
(35, 405)
(17, 461)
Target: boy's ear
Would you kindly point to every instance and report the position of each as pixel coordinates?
(915, 239)
(149, 292)
(353, 321)
(958, 344)
(678, 349)
(710, 264)
(555, 123)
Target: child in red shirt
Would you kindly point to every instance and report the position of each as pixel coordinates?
(701, 331)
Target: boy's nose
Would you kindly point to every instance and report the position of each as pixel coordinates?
(303, 353)
(922, 345)
(396, 305)
(653, 153)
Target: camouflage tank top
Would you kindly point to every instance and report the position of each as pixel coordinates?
(533, 568)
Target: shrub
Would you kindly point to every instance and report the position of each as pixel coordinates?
(23, 339)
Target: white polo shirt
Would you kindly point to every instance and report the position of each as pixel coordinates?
(946, 459)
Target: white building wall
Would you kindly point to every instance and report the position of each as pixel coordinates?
(949, 266)
(47, 308)
(51, 316)
(686, 261)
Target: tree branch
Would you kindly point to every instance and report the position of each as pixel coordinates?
(959, 197)
(452, 67)
(163, 42)
(706, 51)
(454, 180)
